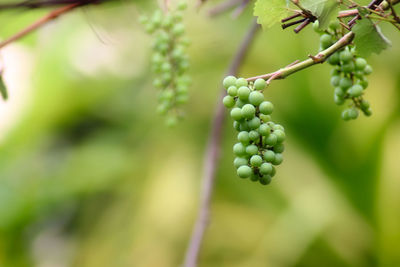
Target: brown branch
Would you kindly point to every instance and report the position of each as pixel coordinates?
(212, 156)
(37, 24)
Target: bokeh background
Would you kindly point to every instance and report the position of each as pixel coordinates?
(90, 176)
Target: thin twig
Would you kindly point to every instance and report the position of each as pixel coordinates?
(212, 155)
(37, 24)
(319, 58)
(223, 7)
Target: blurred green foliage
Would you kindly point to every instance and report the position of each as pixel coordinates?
(90, 176)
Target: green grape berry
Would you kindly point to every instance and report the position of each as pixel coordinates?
(241, 82)
(256, 161)
(265, 180)
(248, 111)
(266, 108)
(264, 130)
(239, 162)
(228, 101)
(360, 63)
(236, 114)
(271, 140)
(243, 137)
(229, 81)
(251, 150)
(243, 93)
(356, 90)
(239, 149)
(346, 56)
(326, 41)
(278, 159)
(254, 135)
(244, 171)
(260, 84)
(232, 90)
(269, 156)
(266, 168)
(256, 98)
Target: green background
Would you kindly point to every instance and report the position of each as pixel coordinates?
(90, 176)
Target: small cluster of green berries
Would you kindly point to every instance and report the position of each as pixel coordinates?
(260, 143)
(348, 76)
(169, 60)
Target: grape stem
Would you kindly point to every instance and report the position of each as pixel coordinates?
(212, 155)
(313, 60)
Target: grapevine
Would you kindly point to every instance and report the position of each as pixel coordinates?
(169, 61)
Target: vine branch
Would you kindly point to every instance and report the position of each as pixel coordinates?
(313, 60)
(212, 156)
(37, 24)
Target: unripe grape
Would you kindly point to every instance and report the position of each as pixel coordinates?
(361, 63)
(278, 127)
(244, 93)
(345, 83)
(229, 81)
(335, 80)
(182, 99)
(256, 98)
(368, 112)
(239, 162)
(345, 115)
(251, 150)
(271, 140)
(244, 126)
(236, 125)
(368, 70)
(269, 156)
(260, 84)
(316, 26)
(364, 104)
(244, 171)
(264, 129)
(178, 29)
(273, 172)
(348, 67)
(243, 137)
(326, 41)
(256, 161)
(334, 25)
(356, 90)
(346, 56)
(240, 103)
(339, 92)
(248, 111)
(254, 123)
(353, 113)
(338, 100)
(265, 180)
(334, 59)
(254, 177)
(279, 148)
(280, 136)
(278, 159)
(228, 101)
(232, 90)
(239, 149)
(265, 118)
(241, 82)
(364, 83)
(254, 135)
(266, 107)
(236, 114)
(266, 168)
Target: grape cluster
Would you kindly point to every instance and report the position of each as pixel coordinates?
(348, 76)
(169, 61)
(260, 143)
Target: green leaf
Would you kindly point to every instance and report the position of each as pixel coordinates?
(270, 12)
(3, 88)
(369, 38)
(324, 10)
